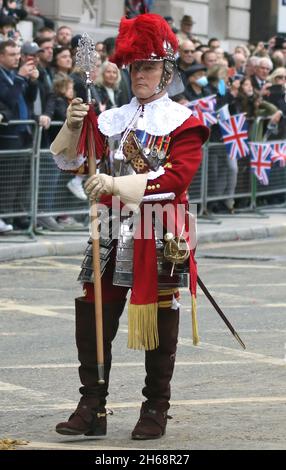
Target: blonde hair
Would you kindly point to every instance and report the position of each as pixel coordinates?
(244, 50)
(61, 83)
(216, 72)
(277, 73)
(100, 79)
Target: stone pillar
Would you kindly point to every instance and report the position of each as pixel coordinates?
(218, 17)
(198, 9)
(100, 18)
(238, 22)
(50, 8)
(229, 20)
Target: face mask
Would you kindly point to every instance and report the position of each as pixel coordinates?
(221, 87)
(203, 81)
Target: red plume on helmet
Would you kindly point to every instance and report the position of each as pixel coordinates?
(142, 38)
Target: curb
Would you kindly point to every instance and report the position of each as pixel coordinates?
(243, 234)
(41, 248)
(66, 247)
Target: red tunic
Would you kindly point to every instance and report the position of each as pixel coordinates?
(184, 161)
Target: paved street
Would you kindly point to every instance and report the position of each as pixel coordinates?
(223, 397)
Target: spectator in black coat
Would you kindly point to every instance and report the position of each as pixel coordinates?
(80, 89)
(14, 9)
(63, 95)
(17, 91)
(277, 96)
(108, 86)
(197, 82)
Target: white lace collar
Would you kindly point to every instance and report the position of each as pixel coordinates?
(160, 117)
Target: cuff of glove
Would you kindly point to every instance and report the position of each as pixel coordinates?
(66, 142)
(130, 189)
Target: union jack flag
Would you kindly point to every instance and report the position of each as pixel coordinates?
(279, 153)
(261, 161)
(204, 110)
(235, 136)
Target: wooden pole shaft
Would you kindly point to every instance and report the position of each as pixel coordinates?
(96, 265)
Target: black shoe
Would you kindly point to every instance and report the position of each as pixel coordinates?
(21, 223)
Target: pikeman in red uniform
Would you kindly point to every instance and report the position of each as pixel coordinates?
(158, 154)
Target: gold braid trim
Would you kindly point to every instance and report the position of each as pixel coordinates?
(143, 327)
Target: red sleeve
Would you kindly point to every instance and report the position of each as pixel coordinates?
(185, 157)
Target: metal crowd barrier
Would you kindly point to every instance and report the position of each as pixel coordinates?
(277, 176)
(17, 174)
(52, 197)
(221, 173)
(32, 187)
(196, 190)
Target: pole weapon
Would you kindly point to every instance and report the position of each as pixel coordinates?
(86, 58)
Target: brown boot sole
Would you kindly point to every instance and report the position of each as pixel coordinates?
(140, 437)
(70, 432)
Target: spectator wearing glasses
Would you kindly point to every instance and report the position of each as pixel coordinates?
(186, 58)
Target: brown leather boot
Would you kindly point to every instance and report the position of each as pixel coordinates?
(151, 424)
(88, 419)
(90, 416)
(159, 365)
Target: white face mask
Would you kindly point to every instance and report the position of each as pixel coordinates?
(203, 82)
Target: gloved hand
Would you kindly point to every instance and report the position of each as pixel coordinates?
(129, 188)
(97, 185)
(76, 113)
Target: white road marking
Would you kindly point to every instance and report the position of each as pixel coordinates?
(252, 265)
(67, 406)
(246, 285)
(123, 364)
(235, 352)
(276, 305)
(208, 401)
(40, 268)
(25, 395)
(38, 310)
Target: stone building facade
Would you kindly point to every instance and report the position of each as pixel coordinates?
(229, 20)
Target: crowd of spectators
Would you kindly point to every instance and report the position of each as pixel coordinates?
(39, 79)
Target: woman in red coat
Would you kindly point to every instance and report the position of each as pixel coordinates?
(159, 153)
